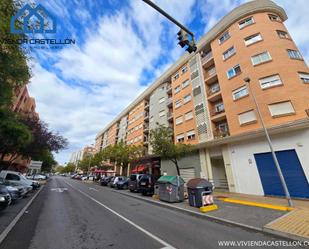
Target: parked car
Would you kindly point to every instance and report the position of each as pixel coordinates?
(105, 180)
(77, 177)
(14, 191)
(37, 177)
(123, 184)
(113, 183)
(133, 182)
(146, 184)
(5, 198)
(18, 178)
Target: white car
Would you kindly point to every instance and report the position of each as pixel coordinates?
(16, 178)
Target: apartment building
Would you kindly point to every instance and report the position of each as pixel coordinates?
(204, 98)
(79, 155)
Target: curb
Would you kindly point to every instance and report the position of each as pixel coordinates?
(257, 204)
(18, 216)
(264, 230)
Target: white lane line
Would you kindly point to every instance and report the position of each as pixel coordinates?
(18, 216)
(167, 245)
(93, 189)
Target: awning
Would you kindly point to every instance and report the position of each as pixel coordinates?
(139, 168)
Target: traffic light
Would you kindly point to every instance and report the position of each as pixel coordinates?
(184, 40)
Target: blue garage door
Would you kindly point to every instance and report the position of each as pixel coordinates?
(291, 169)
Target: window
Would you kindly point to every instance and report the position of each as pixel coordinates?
(161, 100)
(294, 54)
(233, 71)
(247, 117)
(161, 113)
(176, 76)
(253, 39)
(260, 58)
(240, 92)
(177, 89)
(270, 81)
(304, 77)
(180, 138)
(185, 83)
(281, 109)
(179, 120)
(191, 135)
(224, 37)
(274, 18)
(282, 34)
(228, 53)
(188, 115)
(187, 98)
(178, 103)
(12, 177)
(246, 22)
(184, 69)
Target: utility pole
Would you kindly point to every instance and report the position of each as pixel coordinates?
(182, 34)
(285, 188)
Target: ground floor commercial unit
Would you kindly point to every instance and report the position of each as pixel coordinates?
(244, 164)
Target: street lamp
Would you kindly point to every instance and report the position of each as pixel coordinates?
(285, 188)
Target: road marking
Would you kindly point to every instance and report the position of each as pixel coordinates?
(166, 245)
(59, 190)
(18, 216)
(93, 189)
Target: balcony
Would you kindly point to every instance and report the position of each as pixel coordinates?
(146, 128)
(218, 113)
(169, 89)
(169, 102)
(146, 116)
(146, 107)
(207, 59)
(169, 116)
(211, 75)
(213, 93)
(221, 130)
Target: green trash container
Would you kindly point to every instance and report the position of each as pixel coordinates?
(171, 188)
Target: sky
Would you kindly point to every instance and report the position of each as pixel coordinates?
(121, 47)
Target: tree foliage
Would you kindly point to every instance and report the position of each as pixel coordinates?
(161, 140)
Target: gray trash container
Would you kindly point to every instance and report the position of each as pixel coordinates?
(171, 188)
(198, 187)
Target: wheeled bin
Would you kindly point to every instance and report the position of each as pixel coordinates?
(198, 189)
(171, 188)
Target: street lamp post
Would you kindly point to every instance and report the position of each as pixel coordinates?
(285, 188)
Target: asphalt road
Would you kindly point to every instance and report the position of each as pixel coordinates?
(71, 214)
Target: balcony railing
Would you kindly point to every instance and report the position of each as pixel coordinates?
(220, 133)
(146, 105)
(169, 101)
(211, 72)
(169, 115)
(168, 88)
(213, 89)
(206, 57)
(217, 110)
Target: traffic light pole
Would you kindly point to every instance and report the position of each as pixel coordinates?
(172, 19)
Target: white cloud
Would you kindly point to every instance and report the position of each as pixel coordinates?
(111, 63)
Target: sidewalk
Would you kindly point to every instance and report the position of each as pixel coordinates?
(292, 225)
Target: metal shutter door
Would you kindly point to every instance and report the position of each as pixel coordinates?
(291, 169)
(187, 174)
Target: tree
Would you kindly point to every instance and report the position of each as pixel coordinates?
(47, 159)
(161, 140)
(13, 134)
(42, 139)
